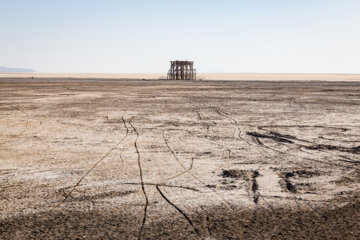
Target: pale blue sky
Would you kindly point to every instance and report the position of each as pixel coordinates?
(292, 36)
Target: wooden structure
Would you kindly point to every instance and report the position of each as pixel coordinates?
(182, 70)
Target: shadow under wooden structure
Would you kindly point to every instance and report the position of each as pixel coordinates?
(182, 70)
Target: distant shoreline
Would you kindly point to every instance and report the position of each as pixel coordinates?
(201, 76)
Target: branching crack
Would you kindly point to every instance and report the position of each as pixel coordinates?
(95, 164)
(178, 209)
(141, 179)
(192, 175)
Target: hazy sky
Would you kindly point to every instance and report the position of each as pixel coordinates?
(144, 35)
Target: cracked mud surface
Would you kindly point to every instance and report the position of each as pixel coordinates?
(131, 159)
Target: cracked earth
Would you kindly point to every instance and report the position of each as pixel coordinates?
(131, 159)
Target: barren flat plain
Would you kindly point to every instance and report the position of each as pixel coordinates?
(157, 159)
(202, 76)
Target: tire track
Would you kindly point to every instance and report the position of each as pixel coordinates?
(293, 101)
(337, 157)
(226, 115)
(304, 158)
(302, 126)
(94, 165)
(141, 179)
(288, 184)
(261, 148)
(229, 158)
(207, 136)
(237, 133)
(225, 148)
(338, 140)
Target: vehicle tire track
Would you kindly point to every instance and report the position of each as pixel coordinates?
(338, 140)
(305, 158)
(292, 100)
(226, 115)
(260, 147)
(229, 158)
(182, 173)
(141, 178)
(302, 126)
(225, 148)
(237, 133)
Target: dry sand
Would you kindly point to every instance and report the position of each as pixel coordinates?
(130, 159)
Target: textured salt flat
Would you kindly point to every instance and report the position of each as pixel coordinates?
(149, 159)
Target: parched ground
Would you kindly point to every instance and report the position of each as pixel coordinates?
(131, 159)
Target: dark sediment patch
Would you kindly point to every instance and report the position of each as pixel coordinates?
(255, 186)
(291, 187)
(276, 134)
(246, 175)
(235, 173)
(275, 138)
(353, 150)
(325, 222)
